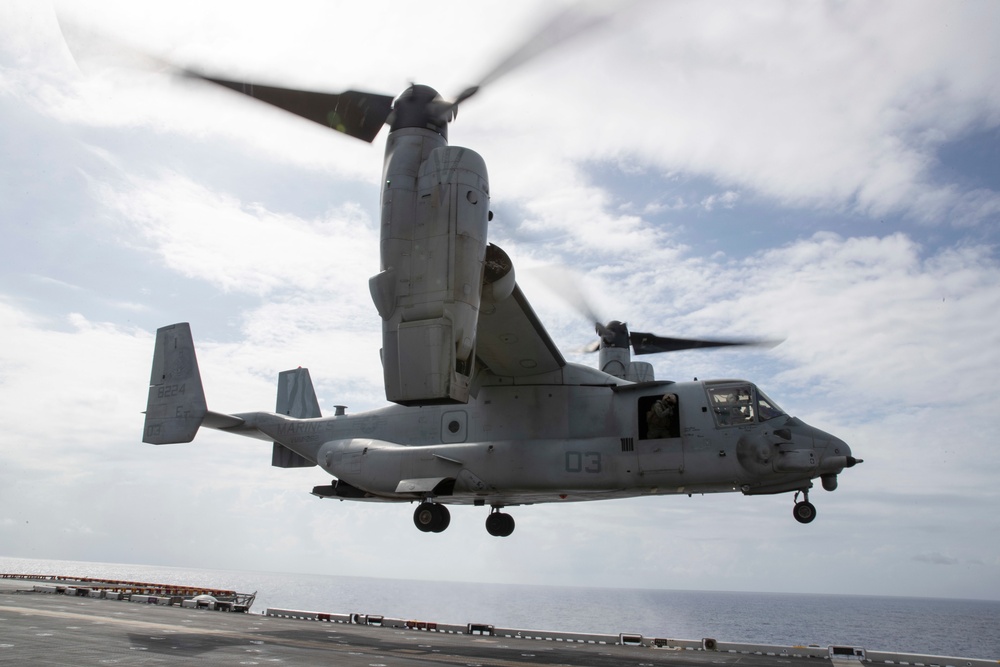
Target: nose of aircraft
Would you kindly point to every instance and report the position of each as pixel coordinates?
(834, 454)
(836, 450)
(832, 445)
(835, 457)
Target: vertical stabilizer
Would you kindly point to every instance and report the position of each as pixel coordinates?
(296, 398)
(176, 404)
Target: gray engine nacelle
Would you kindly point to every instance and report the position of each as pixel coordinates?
(434, 224)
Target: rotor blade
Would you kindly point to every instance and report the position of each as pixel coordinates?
(564, 283)
(93, 50)
(355, 113)
(647, 343)
(572, 22)
(358, 114)
(559, 29)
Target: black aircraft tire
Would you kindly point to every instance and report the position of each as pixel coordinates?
(443, 519)
(499, 524)
(804, 512)
(494, 524)
(508, 525)
(425, 517)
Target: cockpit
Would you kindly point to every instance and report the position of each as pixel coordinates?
(740, 403)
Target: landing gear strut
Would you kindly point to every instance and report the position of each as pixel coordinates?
(499, 524)
(431, 517)
(804, 511)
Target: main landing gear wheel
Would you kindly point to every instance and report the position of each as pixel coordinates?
(805, 511)
(499, 524)
(431, 517)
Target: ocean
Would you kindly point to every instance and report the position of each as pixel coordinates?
(966, 628)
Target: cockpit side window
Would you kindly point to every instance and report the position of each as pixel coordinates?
(732, 405)
(766, 408)
(659, 417)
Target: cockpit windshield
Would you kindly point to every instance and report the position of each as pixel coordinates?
(735, 404)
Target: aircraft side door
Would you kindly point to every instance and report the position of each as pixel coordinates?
(659, 447)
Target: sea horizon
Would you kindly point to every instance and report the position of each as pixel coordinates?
(956, 627)
(485, 582)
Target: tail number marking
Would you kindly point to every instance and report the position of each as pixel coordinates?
(583, 462)
(170, 390)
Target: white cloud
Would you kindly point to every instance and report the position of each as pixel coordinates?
(240, 246)
(807, 104)
(727, 199)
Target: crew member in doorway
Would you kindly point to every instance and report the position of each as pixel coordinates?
(661, 417)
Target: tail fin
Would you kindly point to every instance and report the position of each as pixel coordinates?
(176, 405)
(296, 398)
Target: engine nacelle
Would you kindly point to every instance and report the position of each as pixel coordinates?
(435, 212)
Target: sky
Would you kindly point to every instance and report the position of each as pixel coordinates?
(825, 173)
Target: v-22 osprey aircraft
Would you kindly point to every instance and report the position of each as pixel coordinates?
(485, 409)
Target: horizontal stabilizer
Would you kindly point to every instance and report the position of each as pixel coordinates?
(221, 421)
(283, 457)
(175, 407)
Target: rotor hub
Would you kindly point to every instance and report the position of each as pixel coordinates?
(422, 107)
(614, 334)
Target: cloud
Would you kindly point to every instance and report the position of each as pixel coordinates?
(881, 314)
(238, 246)
(808, 105)
(727, 199)
(935, 558)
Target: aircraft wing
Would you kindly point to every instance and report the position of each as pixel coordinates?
(511, 340)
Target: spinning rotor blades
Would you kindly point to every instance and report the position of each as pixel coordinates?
(616, 334)
(361, 115)
(554, 32)
(647, 343)
(558, 30)
(357, 114)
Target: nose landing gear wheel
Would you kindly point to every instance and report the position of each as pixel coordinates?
(804, 511)
(499, 524)
(431, 517)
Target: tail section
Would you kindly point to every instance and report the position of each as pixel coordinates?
(296, 398)
(176, 405)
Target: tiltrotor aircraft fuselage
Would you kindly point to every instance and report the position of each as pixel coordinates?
(486, 411)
